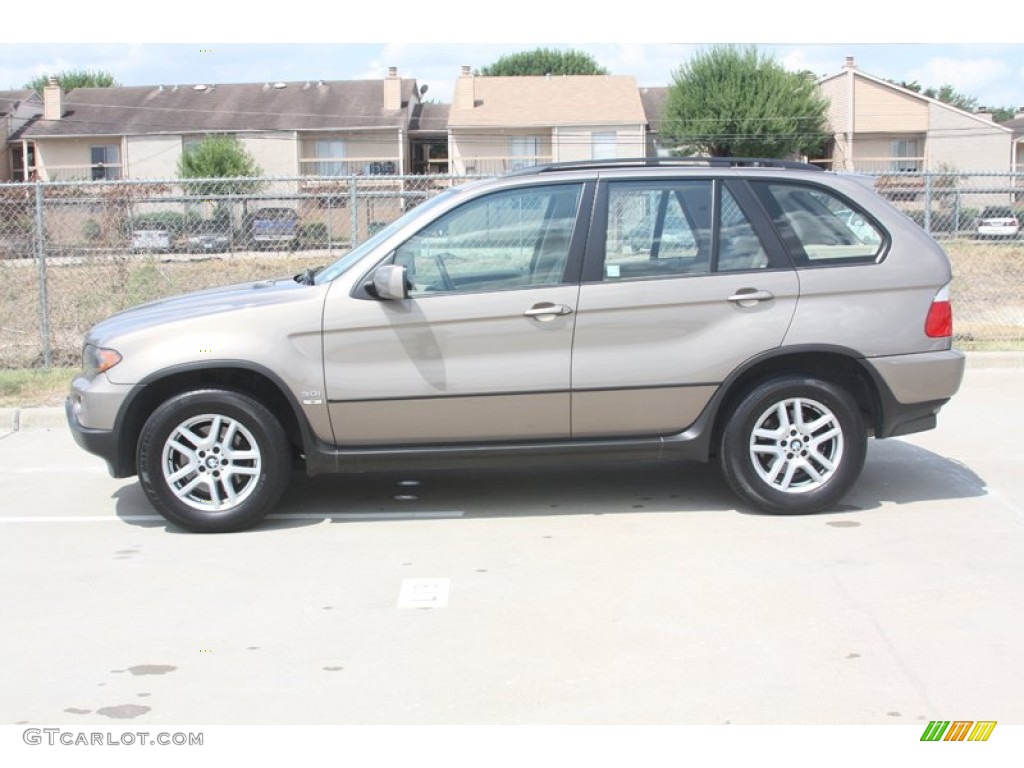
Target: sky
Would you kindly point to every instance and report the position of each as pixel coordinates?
(200, 43)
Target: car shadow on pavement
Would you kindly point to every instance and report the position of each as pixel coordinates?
(899, 472)
(895, 472)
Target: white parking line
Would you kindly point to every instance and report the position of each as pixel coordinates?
(79, 519)
(286, 516)
(368, 516)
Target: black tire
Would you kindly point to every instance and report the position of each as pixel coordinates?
(225, 468)
(793, 445)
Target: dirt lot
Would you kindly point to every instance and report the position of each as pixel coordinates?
(83, 291)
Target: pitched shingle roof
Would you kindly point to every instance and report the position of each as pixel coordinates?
(431, 117)
(302, 106)
(546, 101)
(9, 100)
(654, 100)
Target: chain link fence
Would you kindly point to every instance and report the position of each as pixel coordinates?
(977, 218)
(72, 253)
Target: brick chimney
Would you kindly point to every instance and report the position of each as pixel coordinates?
(392, 90)
(53, 108)
(465, 90)
(850, 63)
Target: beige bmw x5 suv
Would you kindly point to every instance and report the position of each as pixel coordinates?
(722, 310)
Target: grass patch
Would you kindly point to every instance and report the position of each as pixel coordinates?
(35, 386)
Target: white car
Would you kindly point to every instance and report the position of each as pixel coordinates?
(150, 239)
(998, 221)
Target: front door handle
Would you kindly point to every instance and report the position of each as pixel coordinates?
(546, 311)
(750, 297)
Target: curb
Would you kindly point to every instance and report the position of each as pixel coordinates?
(32, 419)
(995, 359)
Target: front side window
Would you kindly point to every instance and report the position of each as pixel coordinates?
(819, 227)
(502, 241)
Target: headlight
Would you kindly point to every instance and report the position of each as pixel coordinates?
(98, 359)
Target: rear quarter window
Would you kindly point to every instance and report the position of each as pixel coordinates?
(819, 227)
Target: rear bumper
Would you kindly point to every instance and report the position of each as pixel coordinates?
(912, 389)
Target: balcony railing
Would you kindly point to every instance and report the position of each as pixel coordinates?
(889, 164)
(350, 166)
(496, 165)
(91, 172)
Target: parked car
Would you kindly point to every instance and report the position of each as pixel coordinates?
(998, 221)
(209, 237)
(516, 320)
(150, 238)
(268, 227)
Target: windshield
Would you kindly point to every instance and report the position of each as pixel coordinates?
(343, 264)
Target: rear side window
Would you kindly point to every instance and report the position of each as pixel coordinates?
(998, 212)
(819, 227)
(676, 229)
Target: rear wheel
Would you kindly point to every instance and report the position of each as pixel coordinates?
(213, 460)
(793, 445)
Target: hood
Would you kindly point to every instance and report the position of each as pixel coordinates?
(208, 303)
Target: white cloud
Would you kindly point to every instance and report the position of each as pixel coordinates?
(982, 78)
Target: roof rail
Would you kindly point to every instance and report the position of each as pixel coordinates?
(667, 162)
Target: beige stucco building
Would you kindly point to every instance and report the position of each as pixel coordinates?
(878, 127)
(297, 128)
(499, 124)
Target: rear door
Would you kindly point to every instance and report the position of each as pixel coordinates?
(683, 282)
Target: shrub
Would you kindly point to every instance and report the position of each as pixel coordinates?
(313, 234)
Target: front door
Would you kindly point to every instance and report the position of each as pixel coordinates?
(481, 348)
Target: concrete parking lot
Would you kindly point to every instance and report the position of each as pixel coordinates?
(624, 594)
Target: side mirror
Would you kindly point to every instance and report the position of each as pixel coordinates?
(389, 282)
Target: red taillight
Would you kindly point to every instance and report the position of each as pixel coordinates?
(939, 323)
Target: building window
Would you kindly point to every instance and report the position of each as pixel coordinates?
(906, 155)
(602, 146)
(330, 154)
(106, 162)
(524, 151)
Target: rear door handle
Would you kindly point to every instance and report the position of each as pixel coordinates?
(750, 297)
(546, 310)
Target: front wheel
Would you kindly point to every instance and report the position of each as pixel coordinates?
(213, 460)
(793, 445)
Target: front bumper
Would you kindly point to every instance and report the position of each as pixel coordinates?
(95, 411)
(100, 442)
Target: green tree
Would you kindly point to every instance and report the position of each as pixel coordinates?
(221, 166)
(545, 61)
(947, 94)
(730, 101)
(75, 78)
(1002, 114)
